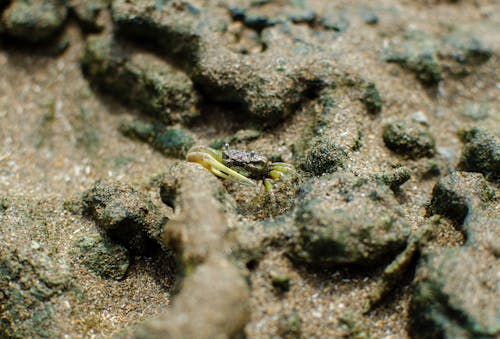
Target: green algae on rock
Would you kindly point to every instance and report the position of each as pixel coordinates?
(34, 20)
(409, 140)
(140, 79)
(357, 223)
(172, 141)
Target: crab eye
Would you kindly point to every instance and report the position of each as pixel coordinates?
(252, 154)
(226, 146)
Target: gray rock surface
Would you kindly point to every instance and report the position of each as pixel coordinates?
(343, 219)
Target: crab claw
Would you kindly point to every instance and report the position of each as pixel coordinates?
(211, 160)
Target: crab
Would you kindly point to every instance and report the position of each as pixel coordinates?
(240, 166)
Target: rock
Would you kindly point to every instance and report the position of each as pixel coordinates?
(470, 201)
(90, 13)
(105, 258)
(409, 140)
(334, 20)
(29, 281)
(256, 240)
(395, 178)
(462, 51)
(214, 303)
(371, 98)
(173, 141)
(456, 295)
(324, 156)
(480, 153)
(241, 136)
(138, 129)
(34, 20)
(172, 27)
(477, 110)
(139, 79)
(418, 53)
(198, 226)
(343, 219)
(260, 15)
(369, 16)
(280, 282)
(266, 86)
(429, 57)
(126, 215)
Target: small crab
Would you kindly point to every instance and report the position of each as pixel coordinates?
(239, 166)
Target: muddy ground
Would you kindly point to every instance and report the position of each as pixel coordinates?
(389, 225)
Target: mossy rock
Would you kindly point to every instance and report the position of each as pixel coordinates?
(174, 141)
(409, 140)
(34, 20)
(324, 156)
(480, 153)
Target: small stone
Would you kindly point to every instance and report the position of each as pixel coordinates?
(480, 153)
(409, 140)
(280, 282)
(106, 259)
(126, 215)
(476, 111)
(174, 141)
(420, 118)
(323, 156)
(369, 17)
(371, 98)
(394, 179)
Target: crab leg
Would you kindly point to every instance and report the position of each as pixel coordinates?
(208, 161)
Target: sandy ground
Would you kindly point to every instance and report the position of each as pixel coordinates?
(58, 136)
